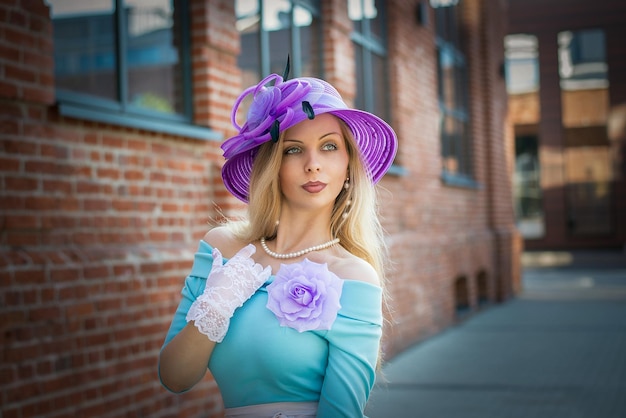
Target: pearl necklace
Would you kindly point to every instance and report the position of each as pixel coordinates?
(298, 253)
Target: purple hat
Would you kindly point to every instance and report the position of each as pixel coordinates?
(277, 107)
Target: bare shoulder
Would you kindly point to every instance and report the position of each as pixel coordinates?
(223, 239)
(352, 267)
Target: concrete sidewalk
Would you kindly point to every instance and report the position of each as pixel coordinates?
(556, 351)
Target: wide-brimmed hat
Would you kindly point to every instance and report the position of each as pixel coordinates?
(278, 105)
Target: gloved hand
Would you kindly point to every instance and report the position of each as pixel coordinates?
(227, 288)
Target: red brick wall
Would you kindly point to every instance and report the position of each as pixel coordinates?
(439, 233)
(99, 222)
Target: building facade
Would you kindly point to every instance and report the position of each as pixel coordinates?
(110, 125)
(567, 88)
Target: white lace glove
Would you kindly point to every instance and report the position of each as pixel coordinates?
(227, 288)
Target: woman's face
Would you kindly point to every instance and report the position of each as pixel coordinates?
(314, 166)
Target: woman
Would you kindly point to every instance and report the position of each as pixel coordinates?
(285, 307)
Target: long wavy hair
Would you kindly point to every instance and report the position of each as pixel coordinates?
(354, 218)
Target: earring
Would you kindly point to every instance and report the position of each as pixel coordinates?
(346, 186)
(344, 215)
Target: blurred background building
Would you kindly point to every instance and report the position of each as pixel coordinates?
(566, 78)
(111, 117)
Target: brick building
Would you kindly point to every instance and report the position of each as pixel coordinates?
(110, 126)
(567, 84)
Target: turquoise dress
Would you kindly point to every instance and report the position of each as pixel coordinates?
(260, 361)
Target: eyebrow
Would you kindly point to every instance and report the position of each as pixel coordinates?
(319, 139)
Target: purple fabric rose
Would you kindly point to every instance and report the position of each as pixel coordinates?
(263, 104)
(305, 296)
(270, 104)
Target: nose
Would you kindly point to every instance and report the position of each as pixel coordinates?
(312, 164)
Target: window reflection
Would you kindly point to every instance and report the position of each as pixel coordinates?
(309, 35)
(582, 60)
(277, 24)
(522, 82)
(276, 15)
(527, 192)
(287, 29)
(453, 94)
(585, 106)
(152, 57)
(370, 56)
(272, 30)
(366, 12)
(84, 48)
(144, 66)
(522, 64)
(248, 14)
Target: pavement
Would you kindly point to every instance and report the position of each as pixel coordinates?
(558, 350)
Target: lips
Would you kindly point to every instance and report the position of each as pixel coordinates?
(314, 186)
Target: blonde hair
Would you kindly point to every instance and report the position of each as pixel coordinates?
(354, 218)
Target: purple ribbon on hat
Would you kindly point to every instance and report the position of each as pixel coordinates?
(269, 104)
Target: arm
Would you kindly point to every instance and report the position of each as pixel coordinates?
(183, 362)
(184, 359)
(186, 352)
(354, 343)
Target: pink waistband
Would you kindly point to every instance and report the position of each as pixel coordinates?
(275, 410)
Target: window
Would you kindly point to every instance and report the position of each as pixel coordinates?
(582, 60)
(271, 30)
(453, 95)
(369, 42)
(585, 103)
(527, 193)
(522, 63)
(126, 62)
(522, 84)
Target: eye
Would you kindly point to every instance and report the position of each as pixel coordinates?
(292, 150)
(330, 146)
